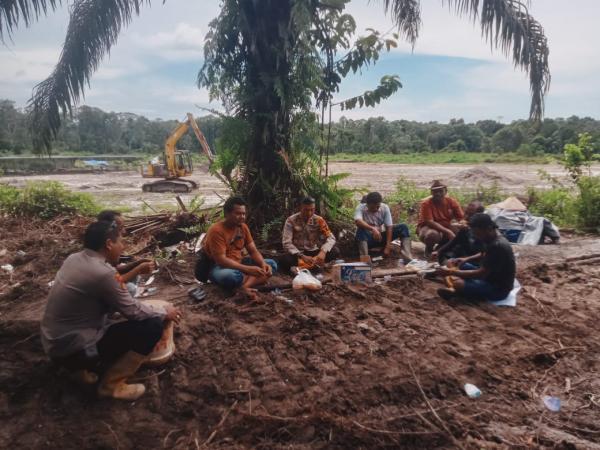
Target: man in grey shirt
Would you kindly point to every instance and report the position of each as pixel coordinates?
(76, 331)
(375, 227)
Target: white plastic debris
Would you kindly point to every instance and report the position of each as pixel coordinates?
(8, 267)
(472, 390)
(552, 403)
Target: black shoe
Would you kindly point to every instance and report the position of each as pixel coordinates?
(446, 294)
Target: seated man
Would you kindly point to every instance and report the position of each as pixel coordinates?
(494, 278)
(464, 243)
(76, 333)
(436, 216)
(132, 270)
(224, 243)
(307, 239)
(376, 229)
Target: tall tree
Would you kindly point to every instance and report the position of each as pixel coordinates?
(269, 63)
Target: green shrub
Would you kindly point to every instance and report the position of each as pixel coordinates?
(558, 204)
(45, 199)
(9, 197)
(588, 202)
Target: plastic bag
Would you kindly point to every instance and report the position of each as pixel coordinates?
(305, 280)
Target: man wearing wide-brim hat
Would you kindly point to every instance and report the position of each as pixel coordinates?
(439, 217)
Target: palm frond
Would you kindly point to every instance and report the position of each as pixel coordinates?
(406, 14)
(28, 11)
(508, 26)
(94, 27)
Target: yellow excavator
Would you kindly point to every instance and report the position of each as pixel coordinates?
(176, 163)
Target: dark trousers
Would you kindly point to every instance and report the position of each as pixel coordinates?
(139, 336)
(399, 231)
(288, 261)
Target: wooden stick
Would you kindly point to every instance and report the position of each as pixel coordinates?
(379, 273)
(219, 425)
(114, 434)
(181, 204)
(146, 203)
(435, 414)
(168, 435)
(146, 227)
(579, 258)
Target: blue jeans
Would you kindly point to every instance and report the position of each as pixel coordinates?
(232, 278)
(478, 288)
(398, 231)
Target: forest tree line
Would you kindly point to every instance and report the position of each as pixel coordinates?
(93, 131)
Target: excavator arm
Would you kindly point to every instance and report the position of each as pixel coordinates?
(203, 143)
(176, 134)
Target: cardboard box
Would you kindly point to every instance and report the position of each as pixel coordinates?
(352, 273)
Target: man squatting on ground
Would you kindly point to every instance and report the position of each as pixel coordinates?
(75, 329)
(307, 239)
(224, 243)
(130, 271)
(376, 229)
(494, 278)
(436, 216)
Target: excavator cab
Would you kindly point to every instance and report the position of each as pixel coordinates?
(183, 161)
(175, 163)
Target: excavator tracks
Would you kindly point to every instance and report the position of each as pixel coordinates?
(179, 186)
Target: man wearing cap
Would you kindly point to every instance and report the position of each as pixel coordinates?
(494, 278)
(436, 217)
(375, 228)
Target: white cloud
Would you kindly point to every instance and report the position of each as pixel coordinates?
(174, 33)
(181, 44)
(27, 66)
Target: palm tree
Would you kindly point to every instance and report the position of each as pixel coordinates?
(95, 25)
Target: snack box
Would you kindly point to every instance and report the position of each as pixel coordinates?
(352, 273)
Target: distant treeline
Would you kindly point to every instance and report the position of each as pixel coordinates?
(93, 131)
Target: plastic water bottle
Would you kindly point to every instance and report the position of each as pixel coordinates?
(472, 390)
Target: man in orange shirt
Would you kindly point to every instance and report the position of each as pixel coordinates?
(224, 243)
(438, 218)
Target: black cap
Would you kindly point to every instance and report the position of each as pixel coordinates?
(481, 221)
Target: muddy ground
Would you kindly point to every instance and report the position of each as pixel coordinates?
(124, 189)
(381, 367)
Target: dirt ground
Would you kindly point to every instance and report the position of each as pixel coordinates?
(381, 367)
(124, 189)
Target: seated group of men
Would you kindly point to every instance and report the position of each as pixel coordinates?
(78, 330)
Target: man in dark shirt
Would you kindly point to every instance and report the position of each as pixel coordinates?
(494, 278)
(464, 243)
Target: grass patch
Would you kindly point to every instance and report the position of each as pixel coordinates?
(45, 199)
(441, 158)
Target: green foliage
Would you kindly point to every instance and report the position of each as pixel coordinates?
(588, 203)
(440, 158)
(486, 194)
(558, 204)
(578, 156)
(129, 133)
(231, 146)
(45, 199)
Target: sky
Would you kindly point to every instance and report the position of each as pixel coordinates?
(451, 73)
